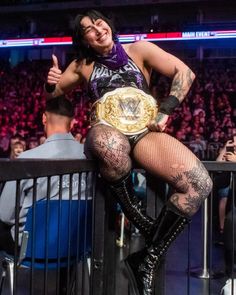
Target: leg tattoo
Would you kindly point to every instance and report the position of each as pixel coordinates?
(193, 187)
(112, 150)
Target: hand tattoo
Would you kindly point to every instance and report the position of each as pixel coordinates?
(159, 117)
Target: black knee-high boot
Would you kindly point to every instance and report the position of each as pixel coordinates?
(124, 193)
(141, 266)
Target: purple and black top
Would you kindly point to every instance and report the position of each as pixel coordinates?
(115, 71)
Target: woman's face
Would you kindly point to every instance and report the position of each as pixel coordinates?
(18, 149)
(97, 34)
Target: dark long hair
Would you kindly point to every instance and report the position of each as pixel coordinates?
(81, 49)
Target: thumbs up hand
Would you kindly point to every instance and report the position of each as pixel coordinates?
(54, 73)
(55, 61)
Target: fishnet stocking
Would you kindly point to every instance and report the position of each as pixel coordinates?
(111, 148)
(162, 155)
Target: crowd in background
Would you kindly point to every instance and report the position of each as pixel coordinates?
(22, 101)
(204, 121)
(207, 117)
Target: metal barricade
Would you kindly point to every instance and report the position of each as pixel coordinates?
(100, 274)
(54, 251)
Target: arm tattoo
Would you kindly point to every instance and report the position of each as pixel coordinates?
(188, 78)
(159, 117)
(177, 85)
(181, 83)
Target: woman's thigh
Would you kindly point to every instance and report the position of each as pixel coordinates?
(111, 148)
(164, 156)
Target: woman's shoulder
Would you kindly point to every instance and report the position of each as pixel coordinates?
(81, 67)
(136, 45)
(139, 49)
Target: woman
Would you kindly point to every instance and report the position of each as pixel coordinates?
(117, 78)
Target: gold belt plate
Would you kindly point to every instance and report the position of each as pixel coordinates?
(128, 109)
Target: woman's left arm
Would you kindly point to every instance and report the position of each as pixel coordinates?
(153, 57)
(169, 65)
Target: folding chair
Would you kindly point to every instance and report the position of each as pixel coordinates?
(57, 235)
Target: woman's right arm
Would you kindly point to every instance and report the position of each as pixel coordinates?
(59, 83)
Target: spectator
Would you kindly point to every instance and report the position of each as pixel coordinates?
(180, 135)
(4, 141)
(229, 249)
(198, 146)
(227, 153)
(15, 138)
(42, 139)
(33, 143)
(79, 137)
(57, 121)
(16, 149)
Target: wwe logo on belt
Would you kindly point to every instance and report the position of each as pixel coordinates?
(130, 108)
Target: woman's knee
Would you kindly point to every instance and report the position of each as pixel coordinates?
(200, 181)
(193, 188)
(194, 182)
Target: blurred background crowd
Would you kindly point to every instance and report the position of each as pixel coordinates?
(205, 121)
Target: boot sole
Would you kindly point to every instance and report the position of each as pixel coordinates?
(127, 271)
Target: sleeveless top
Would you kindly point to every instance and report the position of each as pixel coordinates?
(103, 80)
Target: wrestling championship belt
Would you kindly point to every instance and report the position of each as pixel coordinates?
(128, 109)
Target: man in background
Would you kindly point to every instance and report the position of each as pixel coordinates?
(57, 120)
